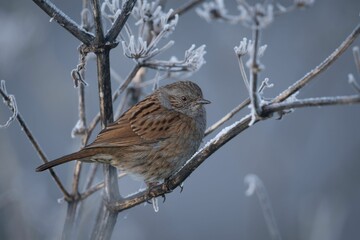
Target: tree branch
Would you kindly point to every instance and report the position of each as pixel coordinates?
(254, 70)
(311, 102)
(216, 125)
(33, 141)
(186, 7)
(65, 21)
(99, 33)
(320, 68)
(120, 21)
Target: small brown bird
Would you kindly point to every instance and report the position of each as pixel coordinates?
(154, 138)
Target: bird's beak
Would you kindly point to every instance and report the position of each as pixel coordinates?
(203, 101)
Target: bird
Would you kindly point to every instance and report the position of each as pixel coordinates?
(153, 139)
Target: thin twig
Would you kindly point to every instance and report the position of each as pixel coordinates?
(82, 119)
(243, 73)
(320, 68)
(256, 185)
(186, 7)
(356, 54)
(311, 102)
(37, 147)
(254, 70)
(128, 80)
(227, 116)
(65, 21)
(120, 21)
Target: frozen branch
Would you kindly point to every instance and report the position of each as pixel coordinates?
(65, 21)
(193, 61)
(10, 101)
(120, 21)
(320, 68)
(216, 125)
(311, 102)
(7, 99)
(254, 70)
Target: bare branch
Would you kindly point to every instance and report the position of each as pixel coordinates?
(128, 80)
(320, 68)
(65, 21)
(35, 144)
(311, 102)
(227, 116)
(99, 32)
(254, 70)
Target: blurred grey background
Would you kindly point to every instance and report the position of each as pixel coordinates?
(308, 161)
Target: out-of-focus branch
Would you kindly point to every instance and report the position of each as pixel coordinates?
(33, 141)
(65, 21)
(95, 188)
(186, 7)
(258, 187)
(320, 68)
(127, 81)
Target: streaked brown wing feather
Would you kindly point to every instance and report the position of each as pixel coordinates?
(146, 122)
(117, 134)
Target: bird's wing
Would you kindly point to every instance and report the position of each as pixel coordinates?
(117, 134)
(146, 122)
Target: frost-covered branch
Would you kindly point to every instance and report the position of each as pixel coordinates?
(222, 138)
(65, 21)
(10, 101)
(225, 118)
(311, 102)
(320, 68)
(186, 7)
(193, 60)
(255, 98)
(120, 21)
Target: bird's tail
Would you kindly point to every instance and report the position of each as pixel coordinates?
(67, 158)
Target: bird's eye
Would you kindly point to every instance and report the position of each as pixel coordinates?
(183, 98)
